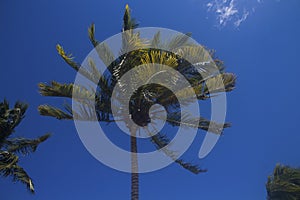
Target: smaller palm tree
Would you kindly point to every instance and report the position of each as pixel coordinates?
(284, 183)
(10, 147)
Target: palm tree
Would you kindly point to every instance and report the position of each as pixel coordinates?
(10, 147)
(284, 183)
(147, 95)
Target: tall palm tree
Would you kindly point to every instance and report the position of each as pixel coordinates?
(284, 183)
(147, 95)
(10, 147)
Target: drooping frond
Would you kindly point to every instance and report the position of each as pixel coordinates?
(9, 167)
(161, 141)
(284, 183)
(9, 147)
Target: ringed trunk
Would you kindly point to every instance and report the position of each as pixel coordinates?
(134, 166)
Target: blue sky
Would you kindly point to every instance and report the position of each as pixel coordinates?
(262, 49)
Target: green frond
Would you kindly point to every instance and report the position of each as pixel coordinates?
(10, 118)
(219, 63)
(70, 90)
(179, 41)
(9, 167)
(128, 22)
(21, 107)
(4, 106)
(91, 31)
(161, 141)
(159, 57)
(156, 41)
(284, 183)
(203, 89)
(51, 111)
(23, 145)
(76, 66)
(7, 160)
(19, 175)
(105, 53)
(67, 57)
(133, 43)
(185, 119)
(221, 83)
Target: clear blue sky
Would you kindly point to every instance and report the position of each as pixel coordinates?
(264, 109)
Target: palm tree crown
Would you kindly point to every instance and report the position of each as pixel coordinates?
(284, 183)
(203, 85)
(10, 147)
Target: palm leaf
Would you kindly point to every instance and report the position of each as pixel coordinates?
(161, 141)
(23, 145)
(284, 183)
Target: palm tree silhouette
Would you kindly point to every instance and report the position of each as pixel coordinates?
(146, 96)
(10, 147)
(284, 183)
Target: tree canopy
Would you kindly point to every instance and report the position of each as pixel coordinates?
(11, 146)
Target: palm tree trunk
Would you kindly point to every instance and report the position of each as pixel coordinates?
(134, 166)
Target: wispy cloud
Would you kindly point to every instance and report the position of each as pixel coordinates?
(243, 18)
(231, 11)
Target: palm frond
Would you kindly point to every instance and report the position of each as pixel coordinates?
(220, 83)
(70, 90)
(69, 59)
(104, 52)
(186, 119)
(178, 41)
(10, 118)
(161, 141)
(9, 167)
(91, 32)
(156, 41)
(284, 183)
(51, 111)
(23, 145)
(7, 159)
(128, 22)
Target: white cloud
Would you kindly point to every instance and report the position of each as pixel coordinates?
(226, 12)
(231, 11)
(243, 18)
